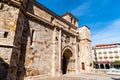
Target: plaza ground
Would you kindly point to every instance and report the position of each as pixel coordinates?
(79, 76)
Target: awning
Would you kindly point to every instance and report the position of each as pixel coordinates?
(104, 61)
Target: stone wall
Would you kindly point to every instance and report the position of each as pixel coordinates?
(33, 41)
(39, 51)
(8, 21)
(85, 50)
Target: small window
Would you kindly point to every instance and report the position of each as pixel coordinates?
(74, 22)
(1, 6)
(110, 57)
(83, 66)
(56, 38)
(5, 34)
(52, 18)
(78, 48)
(105, 57)
(90, 64)
(71, 20)
(100, 57)
(110, 52)
(69, 27)
(32, 34)
(116, 56)
(115, 51)
(104, 52)
(99, 53)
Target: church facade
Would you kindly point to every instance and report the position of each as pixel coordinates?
(36, 41)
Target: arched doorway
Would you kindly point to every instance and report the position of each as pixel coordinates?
(101, 66)
(96, 66)
(65, 61)
(107, 66)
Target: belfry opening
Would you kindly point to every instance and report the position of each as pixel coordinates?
(66, 60)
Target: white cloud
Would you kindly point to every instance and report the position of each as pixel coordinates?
(90, 8)
(111, 34)
(81, 9)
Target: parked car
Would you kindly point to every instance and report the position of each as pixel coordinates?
(113, 71)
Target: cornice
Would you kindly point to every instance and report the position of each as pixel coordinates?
(86, 39)
(33, 16)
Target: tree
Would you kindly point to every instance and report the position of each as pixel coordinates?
(116, 63)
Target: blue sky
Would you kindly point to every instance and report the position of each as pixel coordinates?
(102, 16)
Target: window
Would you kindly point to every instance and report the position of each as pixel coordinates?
(1, 6)
(78, 48)
(115, 51)
(5, 34)
(74, 22)
(99, 53)
(71, 20)
(110, 52)
(83, 66)
(52, 18)
(69, 27)
(90, 64)
(56, 38)
(100, 57)
(105, 57)
(116, 56)
(32, 37)
(104, 52)
(110, 57)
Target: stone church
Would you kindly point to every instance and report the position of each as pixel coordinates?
(36, 41)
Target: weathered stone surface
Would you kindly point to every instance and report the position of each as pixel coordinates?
(35, 41)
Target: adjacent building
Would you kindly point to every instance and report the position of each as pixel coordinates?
(105, 54)
(36, 41)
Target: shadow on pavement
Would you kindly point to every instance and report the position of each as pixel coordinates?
(116, 78)
(3, 69)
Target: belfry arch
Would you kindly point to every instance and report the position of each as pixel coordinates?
(67, 54)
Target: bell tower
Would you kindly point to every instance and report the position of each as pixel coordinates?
(85, 49)
(70, 18)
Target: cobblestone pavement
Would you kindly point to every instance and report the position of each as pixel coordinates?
(80, 77)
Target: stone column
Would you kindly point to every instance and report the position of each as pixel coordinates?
(99, 66)
(54, 52)
(104, 66)
(21, 73)
(60, 72)
(15, 67)
(16, 51)
(76, 59)
(109, 65)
